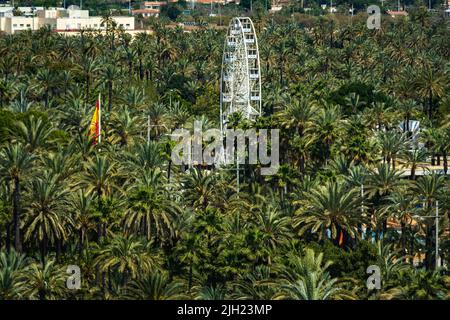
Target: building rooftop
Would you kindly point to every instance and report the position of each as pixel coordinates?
(397, 13)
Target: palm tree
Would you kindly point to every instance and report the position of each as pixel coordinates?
(151, 209)
(428, 189)
(82, 208)
(333, 206)
(442, 146)
(110, 73)
(413, 158)
(12, 268)
(143, 157)
(306, 278)
(299, 115)
(402, 205)
(303, 146)
(15, 163)
(430, 84)
(255, 285)
(127, 256)
(407, 109)
(125, 125)
(200, 188)
(45, 281)
(217, 292)
(89, 68)
(274, 227)
(391, 144)
(154, 286)
(327, 127)
(46, 220)
(382, 182)
(34, 132)
(99, 178)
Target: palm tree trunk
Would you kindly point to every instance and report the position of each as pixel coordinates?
(43, 248)
(110, 93)
(302, 165)
(80, 242)
(413, 173)
(403, 226)
(87, 88)
(411, 247)
(16, 214)
(169, 168)
(141, 70)
(46, 98)
(190, 278)
(429, 248)
(8, 238)
(430, 104)
(58, 249)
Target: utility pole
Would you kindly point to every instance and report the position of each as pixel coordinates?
(81, 4)
(436, 234)
(148, 129)
(437, 263)
(237, 173)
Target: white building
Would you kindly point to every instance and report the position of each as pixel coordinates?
(59, 19)
(6, 12)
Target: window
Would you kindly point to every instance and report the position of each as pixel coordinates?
(128, 24)
(28, 25)
(95, 25)
(21, 24)
(15, 25)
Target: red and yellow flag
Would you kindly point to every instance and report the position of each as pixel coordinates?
(95, 127)
(341, 238)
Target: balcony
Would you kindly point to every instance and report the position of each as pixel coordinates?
(235, 31)
(249, 39)
(232, 41)
(255, 96)
(254, 74)
(251, 54)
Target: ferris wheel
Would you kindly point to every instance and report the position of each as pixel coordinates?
(240, 85)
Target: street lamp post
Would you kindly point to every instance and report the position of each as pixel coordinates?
(437, 236)
(436, 248)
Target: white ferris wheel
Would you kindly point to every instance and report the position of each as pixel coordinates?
(240, 85)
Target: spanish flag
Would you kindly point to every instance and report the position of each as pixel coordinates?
(96, 123)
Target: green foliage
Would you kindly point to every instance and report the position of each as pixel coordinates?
(142, 227)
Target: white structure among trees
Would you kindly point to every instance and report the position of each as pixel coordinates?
(240, 85)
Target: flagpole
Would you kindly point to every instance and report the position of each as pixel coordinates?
(99, 119)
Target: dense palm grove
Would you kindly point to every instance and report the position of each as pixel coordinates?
(140, 227)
